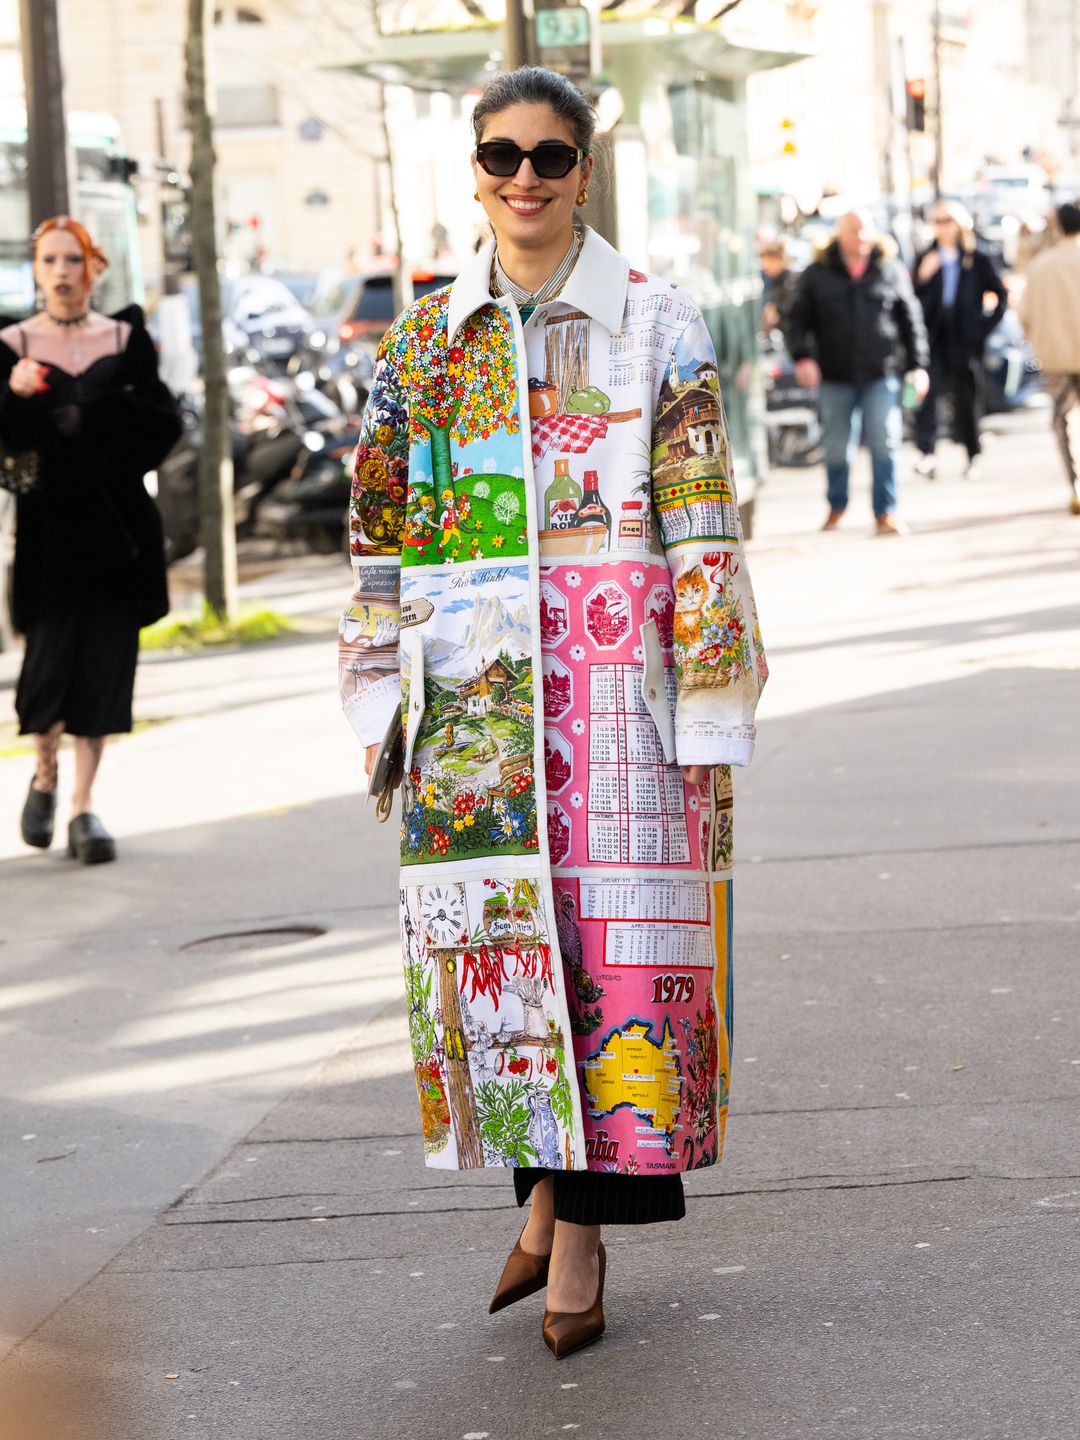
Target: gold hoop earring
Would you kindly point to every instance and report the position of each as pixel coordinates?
(476, 195)
(583, 198)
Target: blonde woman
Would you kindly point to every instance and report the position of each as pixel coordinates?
(952, 280)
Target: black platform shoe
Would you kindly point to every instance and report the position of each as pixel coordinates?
(38, 815)
(89, 841)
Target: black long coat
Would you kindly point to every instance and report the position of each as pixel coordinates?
(962, 337)
(89, 530)
(857, 330)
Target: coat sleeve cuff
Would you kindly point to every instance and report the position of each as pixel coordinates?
(697, 744)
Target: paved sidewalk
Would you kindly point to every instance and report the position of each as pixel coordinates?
(890, 1247)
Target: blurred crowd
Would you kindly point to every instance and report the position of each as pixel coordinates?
(875, 333)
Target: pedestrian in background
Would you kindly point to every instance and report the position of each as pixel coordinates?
(778, 282)
(1050, 313)
(531, 387)
(80, 396)
(952, 280)
(854, 329)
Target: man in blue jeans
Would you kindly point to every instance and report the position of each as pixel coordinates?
(854, 330)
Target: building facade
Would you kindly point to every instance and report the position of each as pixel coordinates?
(298, 145)
(833, 124)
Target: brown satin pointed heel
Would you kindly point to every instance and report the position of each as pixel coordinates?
(523, 1274)
(563, 1333)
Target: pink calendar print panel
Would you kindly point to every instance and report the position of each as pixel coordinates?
(613, 801)
(639, 962)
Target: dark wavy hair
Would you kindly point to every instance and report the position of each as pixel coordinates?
(533, 85)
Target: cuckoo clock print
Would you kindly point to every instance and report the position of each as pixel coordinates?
(442, 909)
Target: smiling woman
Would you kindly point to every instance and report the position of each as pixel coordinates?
(544, 521)
(532, 167)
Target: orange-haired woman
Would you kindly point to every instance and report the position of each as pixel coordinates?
(80, 392)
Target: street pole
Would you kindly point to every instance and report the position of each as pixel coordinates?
(516, 47)
(939, 124)
(170, 281)
(215, 461)
(46, 131)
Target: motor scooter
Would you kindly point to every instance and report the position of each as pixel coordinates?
(792, 425)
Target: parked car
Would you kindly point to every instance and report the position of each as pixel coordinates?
(351, 315)
(267, 313)
(360, 307)
(304, 285)
(260, 318)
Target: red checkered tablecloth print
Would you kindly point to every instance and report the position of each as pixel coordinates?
(572, 434)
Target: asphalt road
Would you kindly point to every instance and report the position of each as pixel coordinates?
(223, 1228)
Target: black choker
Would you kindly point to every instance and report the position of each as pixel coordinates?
(67, 321)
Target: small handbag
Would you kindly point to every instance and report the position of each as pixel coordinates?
(18, 471)
(389, 769)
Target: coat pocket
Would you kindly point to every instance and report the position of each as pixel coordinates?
(654, 688)
(412, 652)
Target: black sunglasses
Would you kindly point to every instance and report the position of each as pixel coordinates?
(550, 161)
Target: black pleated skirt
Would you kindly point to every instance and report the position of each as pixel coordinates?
(587, 1197)
(79, 668)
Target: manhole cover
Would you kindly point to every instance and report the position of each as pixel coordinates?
(234, 940)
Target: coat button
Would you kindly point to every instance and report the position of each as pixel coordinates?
(651, 692)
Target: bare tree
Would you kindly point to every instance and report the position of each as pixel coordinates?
(402, 287)
(215, 462)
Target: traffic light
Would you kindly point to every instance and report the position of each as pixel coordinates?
(787, 137)
(916, 104)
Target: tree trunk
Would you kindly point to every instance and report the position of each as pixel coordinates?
(442, 465)
(46, 127)
(401, 282)
(459, 1086)
(215, 463)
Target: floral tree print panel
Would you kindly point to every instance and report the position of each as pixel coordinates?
(490, 1055)
(380, 472)
(465, 498)
(472, 790)
(650, 1034)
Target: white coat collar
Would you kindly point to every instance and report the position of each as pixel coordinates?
(597, 285)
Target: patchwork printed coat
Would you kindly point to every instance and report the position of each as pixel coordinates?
(549, 577)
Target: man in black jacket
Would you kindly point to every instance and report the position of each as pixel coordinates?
(854, 329)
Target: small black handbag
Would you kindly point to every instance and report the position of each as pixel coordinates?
(389, 769)
(18, 470)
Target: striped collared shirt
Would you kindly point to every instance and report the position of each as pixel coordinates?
(501, 284)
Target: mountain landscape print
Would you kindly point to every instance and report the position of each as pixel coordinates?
(472, 788)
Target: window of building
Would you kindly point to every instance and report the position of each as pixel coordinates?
(237, 15)
(246, 105)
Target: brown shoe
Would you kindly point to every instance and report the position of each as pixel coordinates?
(832, 520)
(890, 525)
(523, 1274)
(566, 1331)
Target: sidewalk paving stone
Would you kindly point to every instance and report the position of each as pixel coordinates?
(890, 1247)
